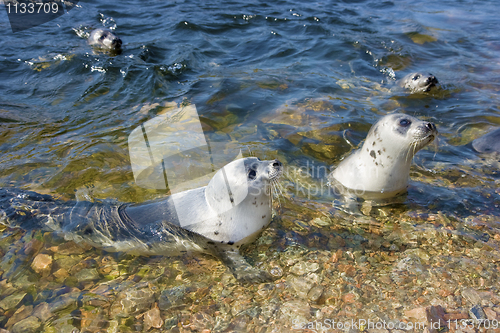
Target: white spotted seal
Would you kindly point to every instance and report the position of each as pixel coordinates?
(488, 143)
(380, 169)
(418, 82)
(104, 39)
(217, 219)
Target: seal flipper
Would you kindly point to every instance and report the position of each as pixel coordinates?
(241, 269)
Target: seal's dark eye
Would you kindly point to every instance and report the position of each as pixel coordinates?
(404, 122)
(252, 174)
(416, 77)
(102, 37)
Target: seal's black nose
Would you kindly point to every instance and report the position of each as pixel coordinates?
(276, 163)
(117, 42)
(430, 127)
(432, 79)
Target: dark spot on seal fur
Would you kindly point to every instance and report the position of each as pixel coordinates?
(373, 144)
(230, 243)
(378, 151)
(264, 216)
(216, 232)
(372, 154)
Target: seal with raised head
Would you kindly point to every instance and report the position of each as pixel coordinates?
(216, 219)
(104, 39)
(418, 82)
(488, 143)
(381, 168)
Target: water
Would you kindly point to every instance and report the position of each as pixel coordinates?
(298, 81)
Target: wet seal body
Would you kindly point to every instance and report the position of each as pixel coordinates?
(104, 39)
(418, 82)
(380, 169)
(488, 143)
(216, 219)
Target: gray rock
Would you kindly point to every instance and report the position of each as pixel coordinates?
(172, 297)
(476, 312)
(471, 295)
(10, 302)
(28, 325)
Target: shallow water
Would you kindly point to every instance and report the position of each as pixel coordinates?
(302, 82)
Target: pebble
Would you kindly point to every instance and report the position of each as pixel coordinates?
(172, 297)
(432, 316)
(491, 314)
(87, 274)
(471, 296)
(21, 313)
(303, 284)
(302, 267)
(28, 325)
(295, 311)
(477, 313)
(152, 318)
(42, 311)
(134, 301)
(11, 302)
(42, 264)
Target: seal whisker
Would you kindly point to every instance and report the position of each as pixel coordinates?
(276, 191)
(410, 152)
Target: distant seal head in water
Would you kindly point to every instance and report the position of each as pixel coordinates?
(381, 168)
(418, 82)
(217, 219)
(488, 143)
(104, 39)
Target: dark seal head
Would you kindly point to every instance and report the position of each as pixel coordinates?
(419, 82)
(105, 39)
(381, 168)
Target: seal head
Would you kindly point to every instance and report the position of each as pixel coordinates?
(380, 169)
(105, 39)
(419, 82)
(239, 201)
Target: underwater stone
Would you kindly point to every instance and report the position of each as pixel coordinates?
(476, 312)
(472, 296)
(11, 301)
(87, 274)
(301, 268)
(172, 297)
(28, 325)
(42, 264)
